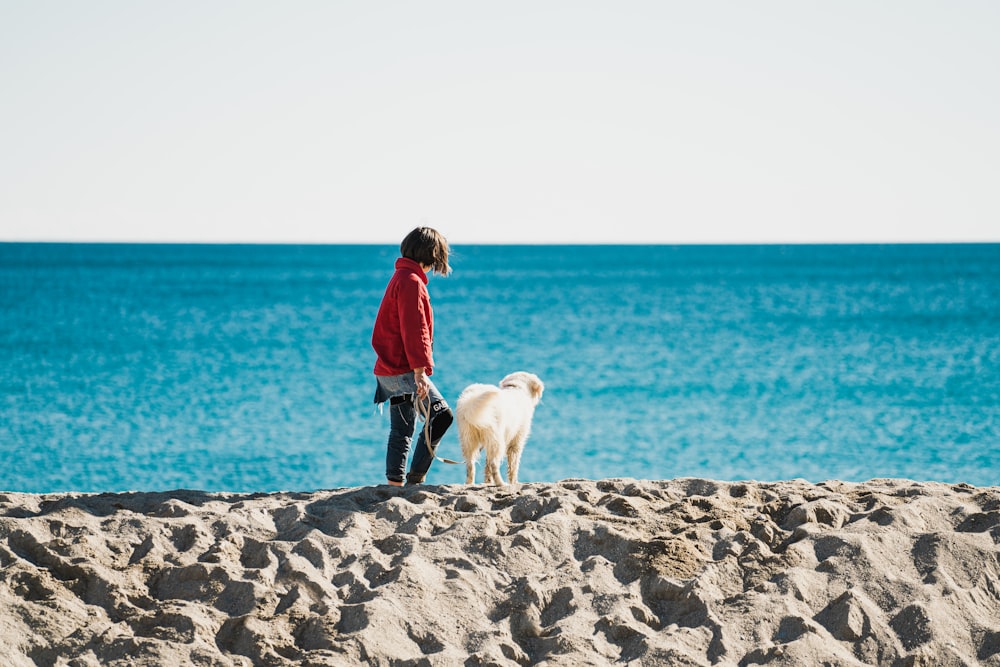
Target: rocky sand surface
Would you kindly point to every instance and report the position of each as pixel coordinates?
(579, 572)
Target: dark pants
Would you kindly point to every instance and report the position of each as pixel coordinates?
(404, 418)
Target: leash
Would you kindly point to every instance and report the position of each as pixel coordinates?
(424, 408)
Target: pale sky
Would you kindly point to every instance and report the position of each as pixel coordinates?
(539, 121)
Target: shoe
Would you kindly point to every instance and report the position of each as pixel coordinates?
(414, 479)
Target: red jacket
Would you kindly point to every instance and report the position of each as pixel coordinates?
(404, 327)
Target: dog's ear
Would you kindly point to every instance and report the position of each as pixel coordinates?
(536, 388)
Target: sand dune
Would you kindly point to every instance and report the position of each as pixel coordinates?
(679, 572)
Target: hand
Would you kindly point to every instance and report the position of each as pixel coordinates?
(423, 384)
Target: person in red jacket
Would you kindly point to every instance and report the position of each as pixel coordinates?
(403, 339)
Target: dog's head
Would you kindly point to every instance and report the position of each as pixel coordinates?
(529, 382)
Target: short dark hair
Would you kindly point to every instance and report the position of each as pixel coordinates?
(427, 246)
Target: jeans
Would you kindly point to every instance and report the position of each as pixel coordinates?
(400, 391)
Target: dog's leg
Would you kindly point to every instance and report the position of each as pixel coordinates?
(493, 472)
(470, 470)
(514, 461)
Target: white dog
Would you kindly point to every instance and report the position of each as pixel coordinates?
(498, 420)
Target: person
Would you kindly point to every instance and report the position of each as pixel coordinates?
(403, 338)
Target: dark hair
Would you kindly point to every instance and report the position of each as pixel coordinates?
(428, 247)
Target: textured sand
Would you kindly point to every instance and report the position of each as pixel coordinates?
(679, 572)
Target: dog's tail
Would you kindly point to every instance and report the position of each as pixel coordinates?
(472, 408)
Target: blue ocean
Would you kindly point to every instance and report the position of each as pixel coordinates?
(249, 367)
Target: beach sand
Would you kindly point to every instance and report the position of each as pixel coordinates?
(579, 572)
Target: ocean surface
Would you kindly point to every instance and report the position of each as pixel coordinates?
(249, 367)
